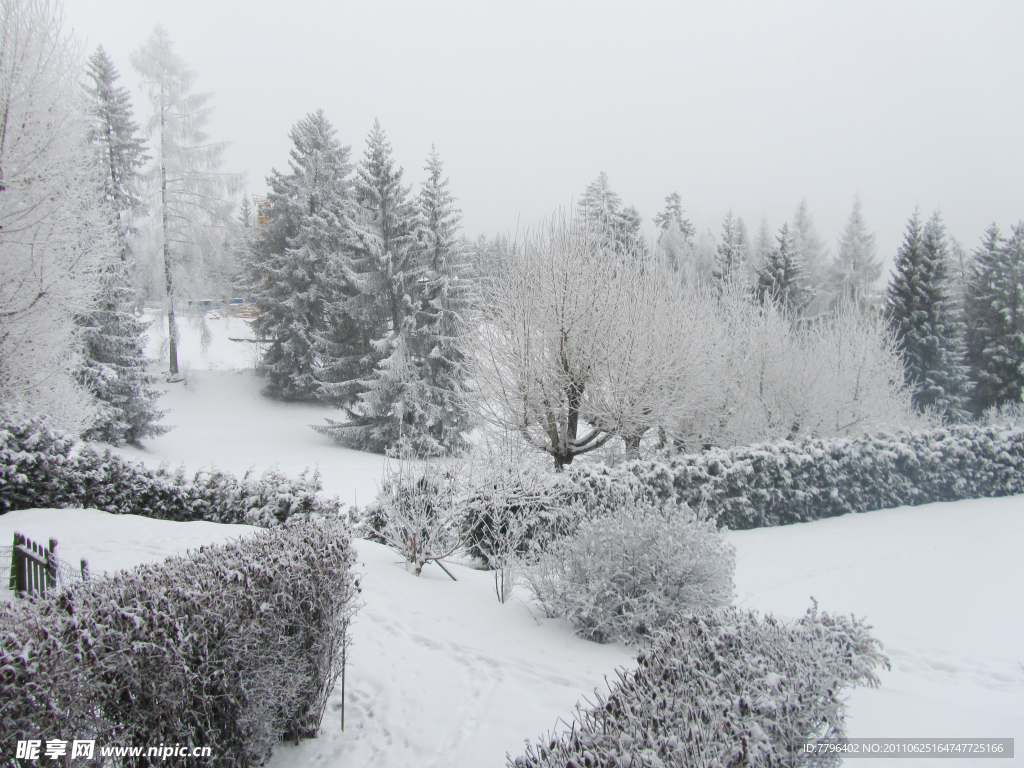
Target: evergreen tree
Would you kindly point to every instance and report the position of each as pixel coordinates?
(994, 310)
(384, 404)
(810, 248)
(673, 215)
(298, 273)
(730, 257)
(781, 276)
(191, 205)
(113, 364)
(923, 316)
(603, 210)
(856, 267)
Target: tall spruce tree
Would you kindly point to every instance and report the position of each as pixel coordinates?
(298, 273)
(383, 413)
(781, 278)
(414, 403)
(602, 208)
(924, 317)
(813, 254)
(731, 254)
(856, 267)
(994, 311)
(113, 366)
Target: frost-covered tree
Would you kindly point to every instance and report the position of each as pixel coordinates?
(812, 251)
(731, 254)
(994, 313)
(602, 207)
(298, 273)
(414, 400)
(856, 267)
(923, 315)
(188, 194)
(781, 278)
(55, 234)
(580, 344)
(113, 366)
(673, 215)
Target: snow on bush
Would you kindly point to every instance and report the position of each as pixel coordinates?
(44, 467)
(786, 482)
(624, 574)
(725, 688)
(416, 513)
(233, 646)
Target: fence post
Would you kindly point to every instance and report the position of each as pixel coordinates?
(51, 567)
(18, 569)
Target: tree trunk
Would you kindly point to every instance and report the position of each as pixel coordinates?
(172, 325)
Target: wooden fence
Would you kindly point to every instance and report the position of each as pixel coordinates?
(36, 570)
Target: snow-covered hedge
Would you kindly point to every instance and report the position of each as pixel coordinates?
(727, 688)
(776, 484)
(233, 646)
(43, 467)
(627, 573)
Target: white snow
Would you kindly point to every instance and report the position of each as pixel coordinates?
(441, 674)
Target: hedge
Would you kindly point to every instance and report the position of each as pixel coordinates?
(725, 688)
(232, 647)
(43, 467)
(782, 483)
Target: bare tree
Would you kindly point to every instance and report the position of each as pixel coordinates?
(583, 343)
(54, 234)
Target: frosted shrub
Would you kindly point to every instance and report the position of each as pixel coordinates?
(628, 572)
(416, 512)
(722, 689)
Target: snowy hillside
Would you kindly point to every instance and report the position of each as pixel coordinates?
(441, 674)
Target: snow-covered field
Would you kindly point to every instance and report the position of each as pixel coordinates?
(441, 674)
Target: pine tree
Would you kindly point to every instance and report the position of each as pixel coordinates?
(673, 215)
(813, 254)
(730, 257)
(856, 267)
(603, 210)
(192, 212)
(297, 274)
(384, 413)
(781, 277)
(924, 318)
(113, 364)
(994, 311)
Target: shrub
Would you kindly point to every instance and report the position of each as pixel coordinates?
(725, 688)
(233, 647)
(43, 467)
(782, 483)
(416, 512)
(626, 573)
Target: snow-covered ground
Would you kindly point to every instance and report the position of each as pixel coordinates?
(441, 674)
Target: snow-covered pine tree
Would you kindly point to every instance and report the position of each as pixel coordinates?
(383, 414)
(297, 274)
(602, 209)
(113, 365)
(994, 311)
(856, 267)
(924, 317)
(781, 278)
(190, 195)
(813, 254)
(673, 214)
(730, 256)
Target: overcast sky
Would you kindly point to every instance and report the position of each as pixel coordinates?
(748, 106)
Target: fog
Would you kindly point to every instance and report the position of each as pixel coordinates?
(742, 106)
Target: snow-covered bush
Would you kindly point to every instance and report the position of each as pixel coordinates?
(416, 512)
(232, 647)
(44, 467)
(726, 688)
(787, 482)
(626, 573)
